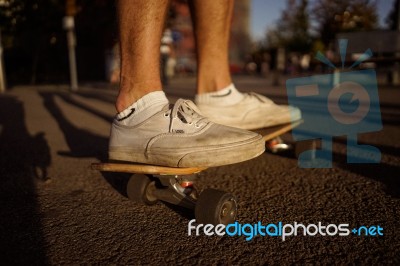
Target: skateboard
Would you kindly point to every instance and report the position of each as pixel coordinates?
(151, 183)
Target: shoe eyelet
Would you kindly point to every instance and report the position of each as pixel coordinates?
(197, 126)
(166, 114)
(190, 123)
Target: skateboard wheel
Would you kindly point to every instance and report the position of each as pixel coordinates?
(215, 207)
(140, 188)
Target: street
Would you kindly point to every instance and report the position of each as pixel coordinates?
(56, 210)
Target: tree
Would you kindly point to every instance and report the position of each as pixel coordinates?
(393, 18)
(35, 45)
(292, 31)
(31, 32)
(343, 16)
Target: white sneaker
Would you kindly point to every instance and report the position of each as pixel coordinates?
(254, 111)
(179, 136)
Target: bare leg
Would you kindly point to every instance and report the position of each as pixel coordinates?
(140, 29)
(212, 20)
(151, 131)
(217, 98)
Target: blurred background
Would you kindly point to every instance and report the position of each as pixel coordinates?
(271, 39)
(55, 210)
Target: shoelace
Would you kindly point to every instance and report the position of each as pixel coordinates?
(188, 113)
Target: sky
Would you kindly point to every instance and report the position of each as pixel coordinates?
(264, 13)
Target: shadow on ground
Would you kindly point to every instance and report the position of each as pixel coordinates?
(23, 161)
(82, 143)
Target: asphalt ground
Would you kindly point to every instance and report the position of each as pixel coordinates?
(56, 210)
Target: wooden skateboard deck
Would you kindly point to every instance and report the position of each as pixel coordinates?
(137, 168)
(270, 133)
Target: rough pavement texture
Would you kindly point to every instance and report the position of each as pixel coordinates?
(56, 210)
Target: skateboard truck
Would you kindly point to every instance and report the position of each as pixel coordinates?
(276, 145)
(176, 191)
(271, 135)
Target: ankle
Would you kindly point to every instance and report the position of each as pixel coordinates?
(130, 92)
(208, 82)
(124, 101)
(143, 108)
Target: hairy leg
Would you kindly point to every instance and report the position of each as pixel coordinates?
(140, 29)
(212, 21)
